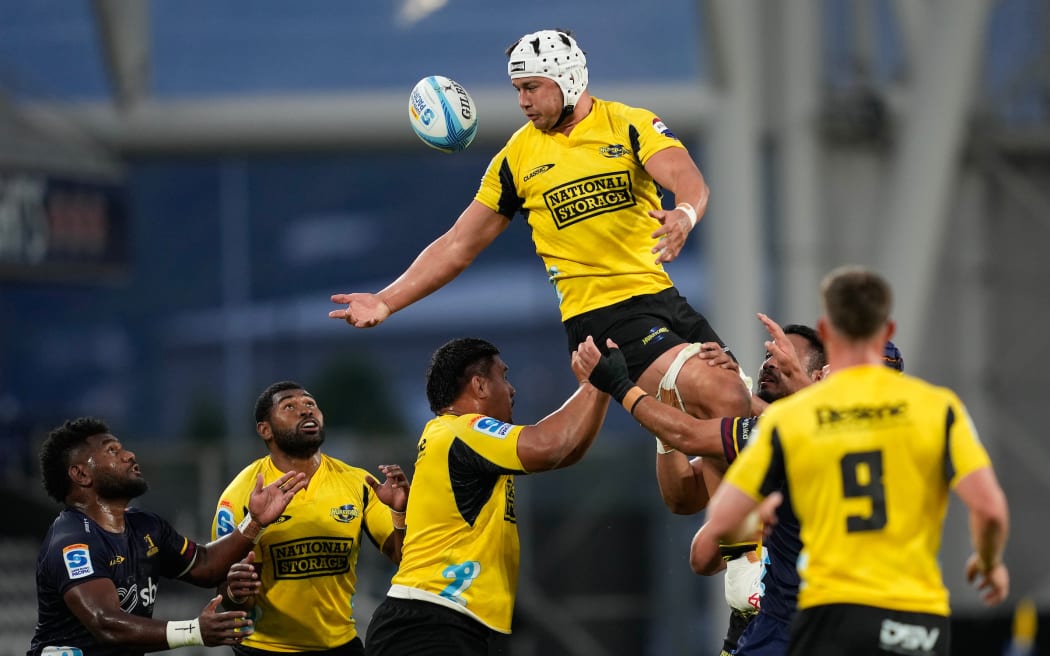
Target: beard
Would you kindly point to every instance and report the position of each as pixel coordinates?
(297, 444)
(111, 487)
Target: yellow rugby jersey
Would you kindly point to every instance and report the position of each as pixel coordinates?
(461, 549)
(584, 196)
(307, 559)
(868, 456)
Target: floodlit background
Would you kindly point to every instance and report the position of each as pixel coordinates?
(184, 183)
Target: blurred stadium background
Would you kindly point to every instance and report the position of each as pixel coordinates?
(184, 183)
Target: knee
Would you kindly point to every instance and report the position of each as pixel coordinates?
(719, 392)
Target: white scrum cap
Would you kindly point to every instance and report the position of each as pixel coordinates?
(551, 54)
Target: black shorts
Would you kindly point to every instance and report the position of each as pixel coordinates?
(644, 327)
(738, 621)
(352, 648)
(857, 630)
(406, 627)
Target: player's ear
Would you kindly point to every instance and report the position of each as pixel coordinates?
(264, 430)
(479, 385)
(79, 474)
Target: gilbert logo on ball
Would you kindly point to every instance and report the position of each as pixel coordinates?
(442, 114)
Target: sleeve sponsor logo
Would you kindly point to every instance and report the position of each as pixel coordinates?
(660, 127)
(77, 558)
(588, 197)
(310, 557)
(492, 427)
(224, 523)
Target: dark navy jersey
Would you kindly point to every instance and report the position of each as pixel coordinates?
(781, 547)
(76, 550)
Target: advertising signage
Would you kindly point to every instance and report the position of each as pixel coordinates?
(62, 229)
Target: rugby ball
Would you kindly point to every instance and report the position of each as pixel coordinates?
(443, 114)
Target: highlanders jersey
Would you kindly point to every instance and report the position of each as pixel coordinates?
(77, 550)
(307, 559)
(781, 547)
(868, 457)
(461, 549)
(584, 196)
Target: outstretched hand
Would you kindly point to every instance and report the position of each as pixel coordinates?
(362, 310)
(610, 373)
(225, 627)
(716, 356)
(242, 581)
(671, 235)
(394, 490)
(267, 503)
(584, 359)
(783, 354)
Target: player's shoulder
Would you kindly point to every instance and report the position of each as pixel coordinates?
(144, 518)
(619, 109)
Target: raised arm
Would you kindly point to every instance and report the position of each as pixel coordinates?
(444, 259)
(675, 428)
(393, 492)
(265, 505)
(674, 170)
(562, 437)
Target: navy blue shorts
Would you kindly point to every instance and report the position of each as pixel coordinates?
(764, 636)
(644, 327)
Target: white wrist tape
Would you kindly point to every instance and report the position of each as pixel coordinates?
(662, 448)
(184, 633)
(251, 529)
(690, 211)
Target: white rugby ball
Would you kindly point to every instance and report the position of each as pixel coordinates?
(443, 114)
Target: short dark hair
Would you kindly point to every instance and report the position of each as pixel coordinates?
(453, 366)
(57, 449)
(264, 404)
(817, 357)
(857, 301)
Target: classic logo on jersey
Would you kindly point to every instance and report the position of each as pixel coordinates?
(77, 558)
(309, 557)
(659, 126)
(835, 418)
(582, 199)
(151, 549)
(491, 427)
(536, 171)
(116, 561)
(901, 638)
(345, 514)
(614, 150)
